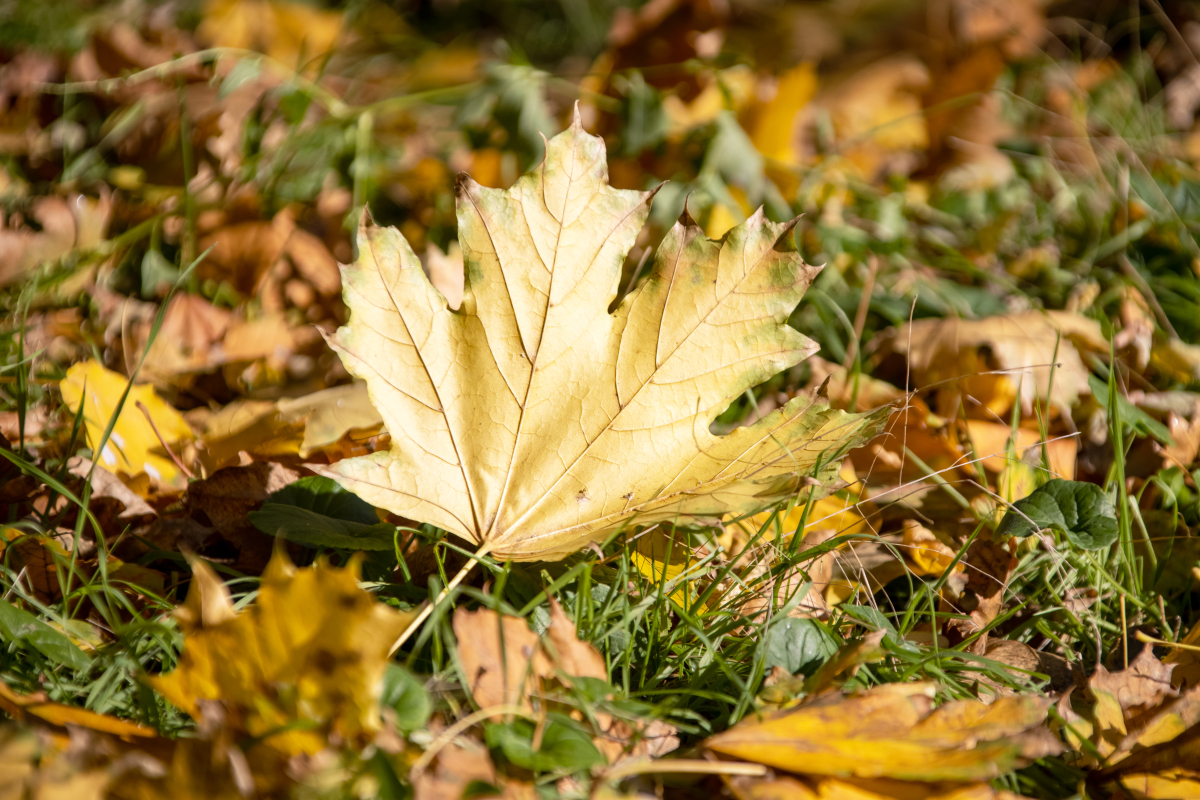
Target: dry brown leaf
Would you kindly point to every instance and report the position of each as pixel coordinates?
(988, 567)
(223, 500)
(191, 327)
(472, 399)
(501, 658)
(63, 224)
(457, 765)
(1144, 684)
(957, 351)
(1143, 734)
(244, 252)
(570, 655)
(314, 262)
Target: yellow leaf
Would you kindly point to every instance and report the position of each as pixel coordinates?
(877, 116)
(893, 731)
(133, 448)
(20, 707)
(533, 421)
(775, 127)
(928, 556)
(720, 221)
(661, 559)
(294, 34)
(789, 788)
(304, 662)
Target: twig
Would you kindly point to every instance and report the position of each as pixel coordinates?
(146, 413)
(860, 316)
(427, 607)
(454, 730)
(644, 766)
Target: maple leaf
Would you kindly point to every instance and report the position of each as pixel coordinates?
(306, 660)
(532, 420)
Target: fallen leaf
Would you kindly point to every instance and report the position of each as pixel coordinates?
(63, 224)
(304, 662)
(567, 652)
(224, 500)
(456, 767)
(533, 357)
(894, 732)
(133, 448)
(191, 327)
(294, 34)
(925, 552)
(876, 116)
(1177, 360)
(500, 656)
(1186, 661)
(1140, 733)
(331, 414)
(785, 787)
(21, 707)
(957, 351)
(990, 441)
(989, 565)
(774, 132)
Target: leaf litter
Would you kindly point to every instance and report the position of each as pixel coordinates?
(619, 521)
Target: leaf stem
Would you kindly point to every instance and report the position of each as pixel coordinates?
(428, 606)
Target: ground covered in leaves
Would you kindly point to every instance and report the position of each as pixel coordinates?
(960, 560)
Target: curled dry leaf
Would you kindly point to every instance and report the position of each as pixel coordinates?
(506, 664)
(893, 731)
(332, 421)
(533, 421)
(1135, 731)
(960, 351)
(304, 662)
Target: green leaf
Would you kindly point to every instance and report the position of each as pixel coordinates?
(795, 644)
(404, 693)
(326, 497)
(19, 625)
(311, 529)
(565, 748)
(1080, 511)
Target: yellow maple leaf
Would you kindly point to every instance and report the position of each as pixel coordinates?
(305, 661)
(532, 420)
(133, 447)
(893, 731)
